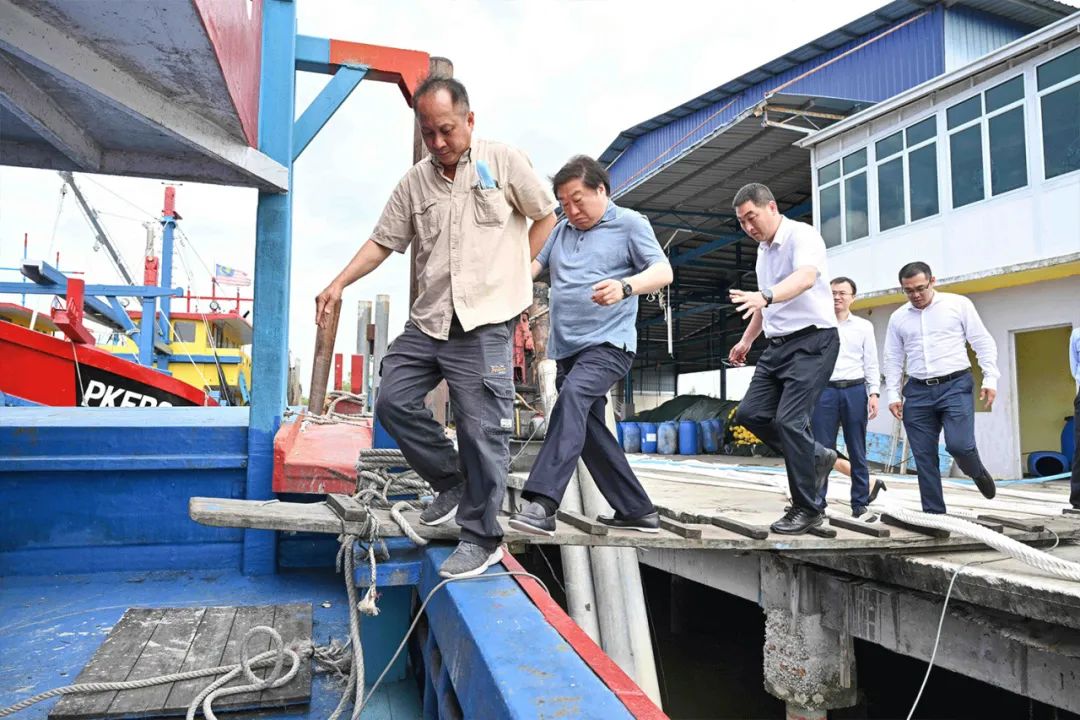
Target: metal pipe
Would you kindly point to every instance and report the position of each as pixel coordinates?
(577, 574)
(363, 345)
(382, 323)
(325, 335)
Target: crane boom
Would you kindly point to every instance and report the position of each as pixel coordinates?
(99, 231)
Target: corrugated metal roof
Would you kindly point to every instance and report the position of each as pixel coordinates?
(1032, 13)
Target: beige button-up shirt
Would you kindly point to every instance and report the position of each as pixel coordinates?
(472, 256)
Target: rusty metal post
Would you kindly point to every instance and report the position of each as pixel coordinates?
(325, 335)
(438, 399)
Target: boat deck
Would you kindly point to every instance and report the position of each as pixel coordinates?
(52, 626)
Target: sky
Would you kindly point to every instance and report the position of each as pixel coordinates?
(555, 78)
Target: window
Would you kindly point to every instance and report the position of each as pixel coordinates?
(842, 199)
(912, 153)
(1059, 100)
(986, 142)
(184, 331)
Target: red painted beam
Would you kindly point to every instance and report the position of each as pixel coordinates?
(407, 68)
(357, 374)
(70, 318)
(624, 687)
(338, 371)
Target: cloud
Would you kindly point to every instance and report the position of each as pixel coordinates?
(554, 78)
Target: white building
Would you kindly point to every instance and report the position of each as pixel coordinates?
(977, 173)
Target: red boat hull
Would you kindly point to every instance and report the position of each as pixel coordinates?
(50, 371)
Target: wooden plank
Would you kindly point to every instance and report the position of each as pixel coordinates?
(823, 531)
(751, 531)
(163, 654)
(988, 524)
(679, 515)
(679, 528)
(346, 507)
(294, 623)
(897, 523)
(247, 617)
(112, 661)
(871, 529)
(206, 651)
(1015, 524)
(581, 522)
(316, 517)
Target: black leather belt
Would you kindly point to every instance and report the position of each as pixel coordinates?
(791, 336)
(942, 378)
(841, 384)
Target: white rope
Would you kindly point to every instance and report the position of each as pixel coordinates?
(1031, 556)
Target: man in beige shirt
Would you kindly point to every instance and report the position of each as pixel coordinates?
(467, 208)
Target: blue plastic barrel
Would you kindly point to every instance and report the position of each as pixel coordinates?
(648, 437)
(667, 438)
(1068, 439)
(689, 433)
(710, 435)
(619, 432)
(631, 437)
(1045, 463)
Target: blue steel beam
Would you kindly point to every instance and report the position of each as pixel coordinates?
(139, 291)
(168, 226)
(683, 313)
(724, 240)
(323, 107)
(273, 257)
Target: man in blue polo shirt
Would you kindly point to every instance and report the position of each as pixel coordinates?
(601, 257)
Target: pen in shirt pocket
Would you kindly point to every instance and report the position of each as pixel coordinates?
(487, 180)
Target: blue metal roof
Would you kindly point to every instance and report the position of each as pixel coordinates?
(898, 60)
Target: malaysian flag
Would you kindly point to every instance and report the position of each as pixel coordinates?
(224, 275)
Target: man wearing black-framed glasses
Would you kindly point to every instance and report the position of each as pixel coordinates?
(927, 336)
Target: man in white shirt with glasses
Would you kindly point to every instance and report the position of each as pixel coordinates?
(927, 336)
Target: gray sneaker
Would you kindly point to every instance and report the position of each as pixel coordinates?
(443, 507)
(468, 560)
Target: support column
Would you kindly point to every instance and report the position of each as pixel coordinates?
(807, 665)
(273, 257)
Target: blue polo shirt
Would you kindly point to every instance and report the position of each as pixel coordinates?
(620, 245)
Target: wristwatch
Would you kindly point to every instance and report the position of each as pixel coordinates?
(767, 294)
(627, 291)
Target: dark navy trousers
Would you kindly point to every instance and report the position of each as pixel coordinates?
(787, 382)
(845, 408)
(577, 429)
(929, 409)
(1074, 495)
(477, 368)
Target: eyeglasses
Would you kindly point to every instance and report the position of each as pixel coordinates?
(916, 290)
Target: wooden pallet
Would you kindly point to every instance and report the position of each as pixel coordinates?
(148, 642)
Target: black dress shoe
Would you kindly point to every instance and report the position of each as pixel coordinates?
(797, 521)
(823, 465)
(986, 486)
(879, 485)
(646, 523)
(533, 518)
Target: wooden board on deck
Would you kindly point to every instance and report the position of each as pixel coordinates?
(317, 517)
(147, 642)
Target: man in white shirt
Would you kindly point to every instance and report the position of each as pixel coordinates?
(928, 336)
(1074, 368)
(794, 309)
(850, 399)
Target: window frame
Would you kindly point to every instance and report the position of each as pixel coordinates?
(1037, 97)
(841, 180)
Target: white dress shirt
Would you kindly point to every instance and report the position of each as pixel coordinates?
(931, 342)
(858, 354)
(795, 245)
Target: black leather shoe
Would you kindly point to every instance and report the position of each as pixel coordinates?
(533, 518)
(823, 465)
(797, 521)
(879, 485)
(986, 485)
(646, 523)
